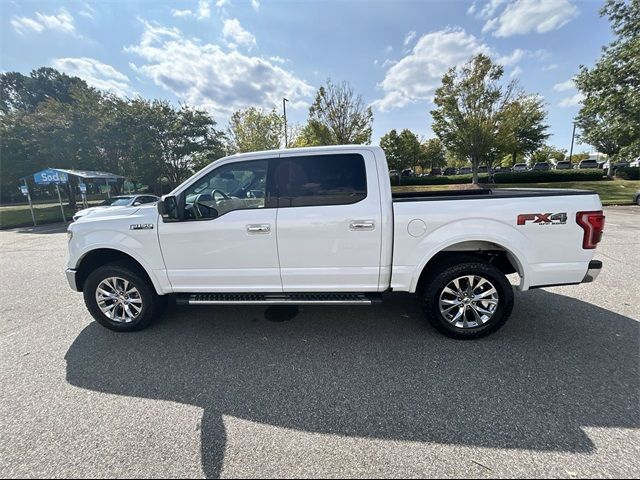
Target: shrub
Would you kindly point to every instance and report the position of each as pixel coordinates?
(628, 173)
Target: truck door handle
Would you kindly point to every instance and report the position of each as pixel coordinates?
(362, 225)
(263, 228)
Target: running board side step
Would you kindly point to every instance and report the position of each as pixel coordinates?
(278, 298)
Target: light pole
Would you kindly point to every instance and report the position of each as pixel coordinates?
(284, 108)
(572, 137)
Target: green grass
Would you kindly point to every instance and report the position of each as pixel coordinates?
(612, 192)
(19, 215)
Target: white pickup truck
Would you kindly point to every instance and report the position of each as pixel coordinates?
(322, 226)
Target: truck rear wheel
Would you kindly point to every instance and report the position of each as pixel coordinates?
(120, 298)
(468, 300)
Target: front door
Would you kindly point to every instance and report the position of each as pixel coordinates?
(227, 240)
(329, 214)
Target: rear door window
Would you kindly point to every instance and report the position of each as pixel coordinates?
(316, 180)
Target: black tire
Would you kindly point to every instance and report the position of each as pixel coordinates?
(152, 303)
(444, 275)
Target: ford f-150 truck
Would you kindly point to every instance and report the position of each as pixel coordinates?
(322, 226)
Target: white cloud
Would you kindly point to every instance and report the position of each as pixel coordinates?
(564, 86)
(409, 38)
(277, 59)
(516, 72)
(490, 8)
(417, 75)
(513, 58)
(207, 76)
(525, 16)
(551, 66)
(88, 11)
(95, 73)
(572, 101)
(255, 4)
(388, 62)
(60, 22)
(182, 13)
(388, 49)
(203, 12)
(204, 9)
(235, 34)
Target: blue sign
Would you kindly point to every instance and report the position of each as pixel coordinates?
(50, 176)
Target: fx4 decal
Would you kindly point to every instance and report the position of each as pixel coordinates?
(543, 218)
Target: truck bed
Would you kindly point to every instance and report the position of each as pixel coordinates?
(485, 193)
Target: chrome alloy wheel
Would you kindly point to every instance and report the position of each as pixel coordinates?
(469, 301)
(119, 300)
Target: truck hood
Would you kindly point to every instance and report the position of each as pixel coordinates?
(117, 213)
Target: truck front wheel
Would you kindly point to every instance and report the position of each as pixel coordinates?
(120, 298)
(468, 300)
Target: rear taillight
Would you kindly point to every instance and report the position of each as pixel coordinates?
(593, 224)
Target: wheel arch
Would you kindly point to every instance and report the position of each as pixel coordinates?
(487, 251)
(103, 256)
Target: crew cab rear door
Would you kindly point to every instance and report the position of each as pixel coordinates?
(329, 221)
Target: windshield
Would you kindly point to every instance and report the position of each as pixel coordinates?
(117, 202)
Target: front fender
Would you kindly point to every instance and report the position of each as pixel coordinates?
(115, 234)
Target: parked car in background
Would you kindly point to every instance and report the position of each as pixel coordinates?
(635, 162)
(541, 166)
(115, 203)
(482, 169)
(450, 171)
(393, 173)
(435, 171)
(585, 164)
(407, 172)
(502, 169)
(616, 165)
(564, 165)
(636, 198)
(520, 167)
(465, 171)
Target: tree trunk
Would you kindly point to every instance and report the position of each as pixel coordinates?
(514, 157)
(474, 169)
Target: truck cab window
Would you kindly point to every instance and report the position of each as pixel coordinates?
(236, 186)
(321, 180)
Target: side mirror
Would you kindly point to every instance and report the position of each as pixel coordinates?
(137, 204)
(168, 209)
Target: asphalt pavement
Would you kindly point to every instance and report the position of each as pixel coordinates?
(330, 392)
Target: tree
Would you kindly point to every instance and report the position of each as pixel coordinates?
(609, 118)
(402, 150)
(50, 119)
(523, 128)
(434, 153)
(469, 106)
(26, 93)
(390, 143)
(339, 117)
(546, 153)
(253, 129)
(189, 132)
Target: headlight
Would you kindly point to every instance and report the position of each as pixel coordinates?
(69, 235)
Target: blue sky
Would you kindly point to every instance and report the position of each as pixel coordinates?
(227, 54)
